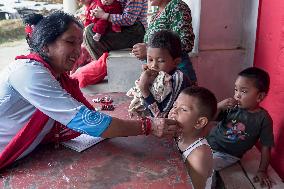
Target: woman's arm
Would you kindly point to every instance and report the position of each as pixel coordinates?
(159, 127)
(44, 92)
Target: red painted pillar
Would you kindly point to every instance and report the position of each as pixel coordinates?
(269, 55)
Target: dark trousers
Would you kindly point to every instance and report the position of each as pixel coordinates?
(129, 36)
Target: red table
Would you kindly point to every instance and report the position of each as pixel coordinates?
(125, 162)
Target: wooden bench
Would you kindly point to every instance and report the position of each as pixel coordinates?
(240, 175)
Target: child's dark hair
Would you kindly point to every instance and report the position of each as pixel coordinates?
(46, 30)
(207, 102)
(261, 77)
(166, 39)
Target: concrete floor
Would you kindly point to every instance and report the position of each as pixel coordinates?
(9, 51)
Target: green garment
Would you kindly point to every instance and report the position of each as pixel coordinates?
(175, 17)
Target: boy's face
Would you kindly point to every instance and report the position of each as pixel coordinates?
(247, 95)
(107, 2)
(160, 60)
(186, 112)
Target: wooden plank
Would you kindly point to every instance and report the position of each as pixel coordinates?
(250, 163)
(234, 178)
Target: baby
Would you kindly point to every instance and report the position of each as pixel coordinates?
(102, 24)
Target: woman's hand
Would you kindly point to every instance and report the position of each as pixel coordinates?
(164, 127)
(140, 51)
(227, 104)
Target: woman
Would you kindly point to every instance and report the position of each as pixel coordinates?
(133, 22)
(39, 102)
(173, 15)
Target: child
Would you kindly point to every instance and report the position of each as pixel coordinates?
(102, 24)
(153, 94)
(193, 109)
(243, 123)
(84, 13)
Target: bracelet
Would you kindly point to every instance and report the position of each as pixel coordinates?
(146, 126)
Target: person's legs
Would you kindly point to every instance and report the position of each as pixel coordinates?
(186, 67)
(220, 161)
(128, 37)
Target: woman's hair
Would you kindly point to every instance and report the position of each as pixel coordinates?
(46, 30)
(166, 39)
(207, 102)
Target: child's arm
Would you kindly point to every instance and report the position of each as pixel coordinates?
(224, 105)
(261, 175)
(200, 166)
(146, 79)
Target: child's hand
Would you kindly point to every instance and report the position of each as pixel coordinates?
(227, 103)
(146, 79)
(145, 67)
(263, 178)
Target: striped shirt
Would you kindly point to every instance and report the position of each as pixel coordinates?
(133, 10)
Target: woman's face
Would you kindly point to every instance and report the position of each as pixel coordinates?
(64, 52)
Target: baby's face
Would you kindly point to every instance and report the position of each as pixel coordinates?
(247, 95)
(185, 112)
(107, 2)
(159, 59)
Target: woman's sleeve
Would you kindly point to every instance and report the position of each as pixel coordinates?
(181, 22)
(38, 87)
(130, 13)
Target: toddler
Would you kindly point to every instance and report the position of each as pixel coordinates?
(242, 123)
